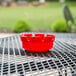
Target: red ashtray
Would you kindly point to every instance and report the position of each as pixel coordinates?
(38, 42)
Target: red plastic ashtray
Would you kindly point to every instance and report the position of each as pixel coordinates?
(38, 42)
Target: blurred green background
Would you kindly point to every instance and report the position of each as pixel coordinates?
(39, 18)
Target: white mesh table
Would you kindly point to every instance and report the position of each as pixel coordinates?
(59, 61)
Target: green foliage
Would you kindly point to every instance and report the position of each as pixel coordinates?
(32, 0)
(74, 28)
(45, 0)
(70, 0)
(39, 18)
(59, 26)
(0, 27)
(70, 23)
(21, 26)
(70, 26)
(15, 0)
(52, 0)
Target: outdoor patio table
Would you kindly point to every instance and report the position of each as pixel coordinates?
(59, 61)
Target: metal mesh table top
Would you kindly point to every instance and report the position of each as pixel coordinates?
(59, 61)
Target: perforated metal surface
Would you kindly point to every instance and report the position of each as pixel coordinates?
(59, 61)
